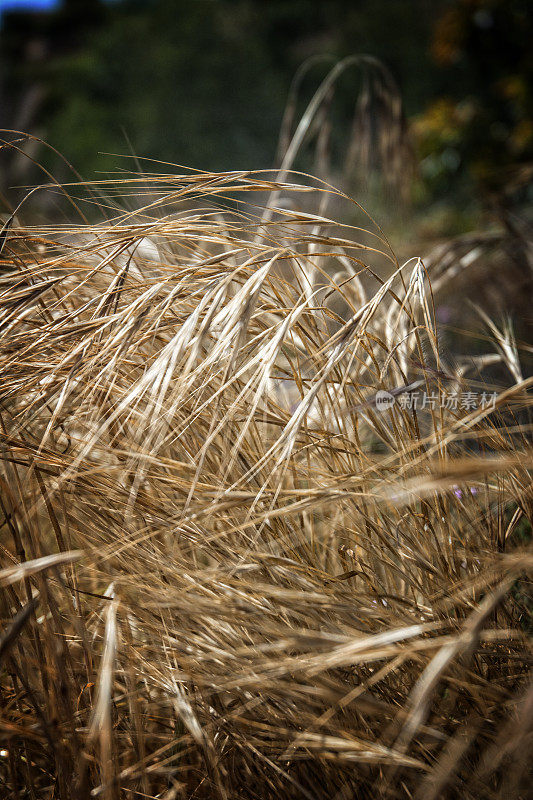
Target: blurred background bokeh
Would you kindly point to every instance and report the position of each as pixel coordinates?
(204, 83)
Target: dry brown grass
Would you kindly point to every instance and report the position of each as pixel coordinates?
(226, 572)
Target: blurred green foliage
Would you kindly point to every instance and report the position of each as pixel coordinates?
(204, 83)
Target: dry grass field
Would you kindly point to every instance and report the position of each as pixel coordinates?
(260, 537)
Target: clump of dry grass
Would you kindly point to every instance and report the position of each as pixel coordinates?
(227, 571)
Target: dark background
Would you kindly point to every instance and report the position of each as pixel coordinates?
(203, 83)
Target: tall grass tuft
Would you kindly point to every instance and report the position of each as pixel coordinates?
(231, 565)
